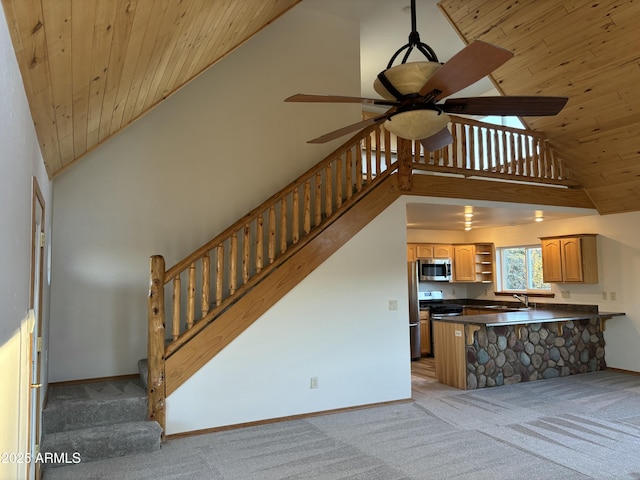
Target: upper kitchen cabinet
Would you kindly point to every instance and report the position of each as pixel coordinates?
(411, 252)
(431, 250)
(485, 263)
(474, 263)
(570, 259)
(464, 263)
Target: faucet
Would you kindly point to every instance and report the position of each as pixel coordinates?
(523, 298)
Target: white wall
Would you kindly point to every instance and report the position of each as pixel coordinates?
(183, 173)
(618, 270)
(335, 325)
(20, 160)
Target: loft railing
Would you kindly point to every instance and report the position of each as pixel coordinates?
(205, 283)
(486, 150)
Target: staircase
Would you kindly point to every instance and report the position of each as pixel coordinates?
(219, 290)
(92, 421)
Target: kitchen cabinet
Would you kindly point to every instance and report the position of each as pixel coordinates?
(425, 333)
(432, 250)
(411, 252)
(464, 263)
(570, 259)
(484, 262)
(450, 354)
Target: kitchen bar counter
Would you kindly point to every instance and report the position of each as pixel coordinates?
(493, 349)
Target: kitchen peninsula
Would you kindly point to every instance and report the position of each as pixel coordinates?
(519, 345)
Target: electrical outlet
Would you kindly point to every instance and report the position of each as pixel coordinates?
(604, 295)
(314, 382)
(613, 296)
(565, 293)
(393, 305)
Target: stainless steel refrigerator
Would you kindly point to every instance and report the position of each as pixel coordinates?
(414, 310)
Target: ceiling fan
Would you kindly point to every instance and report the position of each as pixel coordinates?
(412, 91)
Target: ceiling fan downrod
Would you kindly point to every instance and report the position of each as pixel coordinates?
(414, 42)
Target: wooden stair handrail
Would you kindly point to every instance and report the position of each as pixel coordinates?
(185, 262)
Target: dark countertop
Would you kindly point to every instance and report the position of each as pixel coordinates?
(523, 317)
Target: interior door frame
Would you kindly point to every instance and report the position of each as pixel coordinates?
(35, 304)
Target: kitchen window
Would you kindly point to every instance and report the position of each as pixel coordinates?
(521, 269)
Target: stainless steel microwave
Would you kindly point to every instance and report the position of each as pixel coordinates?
(434, 270)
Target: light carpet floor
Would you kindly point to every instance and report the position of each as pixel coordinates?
(578, 427)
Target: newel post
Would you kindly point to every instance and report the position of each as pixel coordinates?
(405, 157)
(155, 343)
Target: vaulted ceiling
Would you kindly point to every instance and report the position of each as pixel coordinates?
(91, 67)
(587, 51)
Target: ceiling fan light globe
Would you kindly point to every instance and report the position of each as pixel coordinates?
(416, 124)
(407, 78)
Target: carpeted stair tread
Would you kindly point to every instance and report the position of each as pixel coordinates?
(103, 442)
(80, 406)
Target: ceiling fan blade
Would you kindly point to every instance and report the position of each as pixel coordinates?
(513, 106)
(302, 97)
(327, 137)
(437, 140)
(472, 63)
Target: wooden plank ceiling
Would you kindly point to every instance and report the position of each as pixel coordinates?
(588, 51)
(91, 67)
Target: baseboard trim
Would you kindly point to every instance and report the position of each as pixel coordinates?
(94, 380)
(282, 419)
(621, 370)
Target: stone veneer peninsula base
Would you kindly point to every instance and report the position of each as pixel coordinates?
(480, 351)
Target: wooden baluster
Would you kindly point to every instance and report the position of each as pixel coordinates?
(465, 143)
(378, 151)
(283, 225)
(246, 253)
(295, 217)
(515, 143)
(358, 168)
(328, 191)
(552, 161)
(503, 152)
(453, 162)
(482, 159)
(339, 182)
(272, 234)
(531, 145)
(318, 201)
(233, 264)
(510, 164)
(491, 161)
(306, 223)
(155, 342)
(367, 146)
(175, 321)
(512, 158)
(387, 149)
(560, 164)
(521, 154)
(259, 243)
(219, 273)
(191, 295)
(535, 158)
(349, 174)
(206, 283)
(473, 156)
(547, 161)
